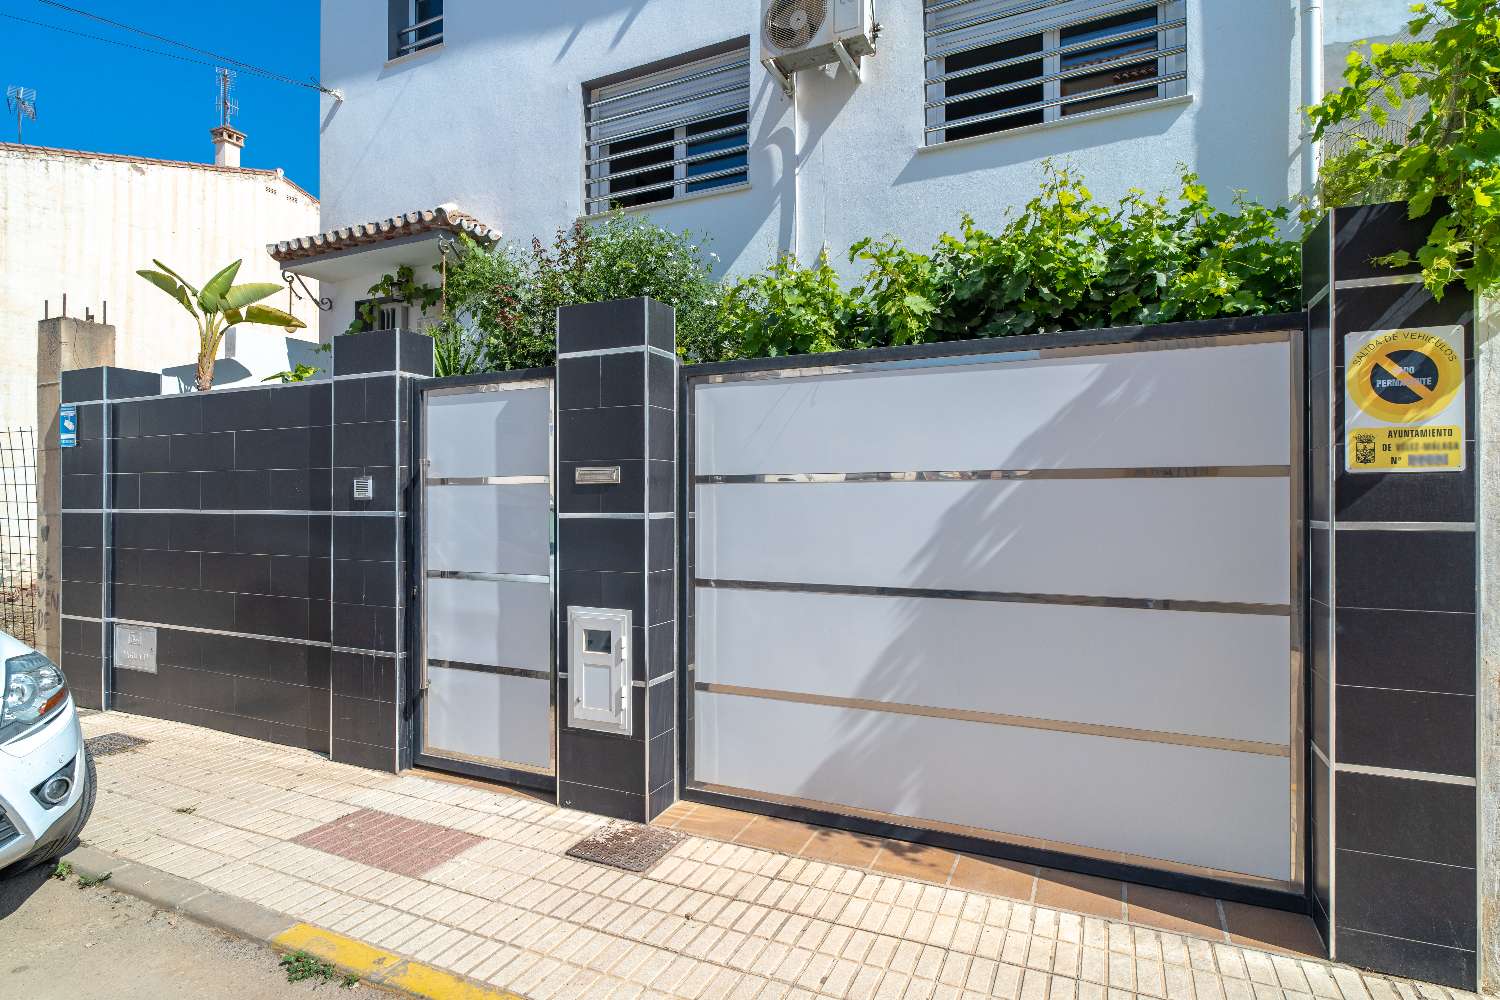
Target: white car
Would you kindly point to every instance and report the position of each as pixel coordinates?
(46, 776)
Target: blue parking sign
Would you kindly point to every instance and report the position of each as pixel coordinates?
(67, 426)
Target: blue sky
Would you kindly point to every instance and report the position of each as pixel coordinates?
(107, 98)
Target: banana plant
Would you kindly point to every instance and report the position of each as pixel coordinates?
(220, 305)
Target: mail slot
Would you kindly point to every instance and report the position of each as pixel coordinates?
(599, 670)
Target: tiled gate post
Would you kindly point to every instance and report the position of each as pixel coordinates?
(617, 410)
(1393, 636)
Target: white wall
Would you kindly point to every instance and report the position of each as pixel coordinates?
(81, 224)
(492, 120)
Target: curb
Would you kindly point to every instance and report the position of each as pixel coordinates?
(279, 931)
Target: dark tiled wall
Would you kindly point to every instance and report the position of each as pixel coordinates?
(619, 408)
(1393, 651)
(233, 512)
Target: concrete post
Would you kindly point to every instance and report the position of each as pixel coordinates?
(62, 344)
(1487, 431)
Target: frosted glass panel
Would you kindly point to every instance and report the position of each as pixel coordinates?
(1222, 810)
(498, 624)
(491, 716)
(489, 529)
(502, 433)
(1190, 406)
(1168, 671)
(1189, 539)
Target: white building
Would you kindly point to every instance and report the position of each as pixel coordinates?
(514, 112)
(81, 224)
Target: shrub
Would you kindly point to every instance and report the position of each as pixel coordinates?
(1064, 262)
(1447, 88)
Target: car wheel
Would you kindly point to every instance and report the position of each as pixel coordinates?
(63, 844)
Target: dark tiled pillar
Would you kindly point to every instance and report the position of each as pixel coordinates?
(1392, 618)
(89, 491)
(373, 374)
(617, 407)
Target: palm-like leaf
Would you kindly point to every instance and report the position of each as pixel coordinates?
(211, 299)
(180, 279)
(240, 296)
(271, 316)
(167, 284)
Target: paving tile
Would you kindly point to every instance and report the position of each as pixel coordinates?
(771, 834)
(930, 864)
(842, 848)
(390, 842)
(1273, 930)
(1173, 911)
(711, 821)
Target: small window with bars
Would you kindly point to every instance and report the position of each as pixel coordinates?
(665, 133)
(414, 25)
(995, 65)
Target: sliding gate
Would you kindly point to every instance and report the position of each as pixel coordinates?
(487, 571)
(1044, 597)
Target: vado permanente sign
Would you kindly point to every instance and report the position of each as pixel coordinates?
(1404, 400)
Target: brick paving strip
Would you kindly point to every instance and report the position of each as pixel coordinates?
(479, 887)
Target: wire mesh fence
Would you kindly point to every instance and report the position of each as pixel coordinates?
(19, 587)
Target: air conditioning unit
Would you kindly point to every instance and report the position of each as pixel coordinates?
(804, 34)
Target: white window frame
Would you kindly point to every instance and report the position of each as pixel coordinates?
(1171, 63)
(701, 69)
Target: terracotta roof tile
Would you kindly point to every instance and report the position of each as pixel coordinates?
(444, 218)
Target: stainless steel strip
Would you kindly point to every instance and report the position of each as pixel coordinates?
(466, 390)
(1067, 74)
(252, 635)
(429, 750)
(1379, 281)
(1454, 526)
(487, 480)
(458, 574)
(637, 349)
(1003, 719)
(1015, 839)
(1005, 597)
(1090, 95)
(653, 516)
(1396, 772)
(980, 475)
(486, 668)
(1061, 50)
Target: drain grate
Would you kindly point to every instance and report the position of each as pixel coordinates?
(631, 847)
(107, 743)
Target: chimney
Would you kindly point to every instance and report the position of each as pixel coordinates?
(228, 141)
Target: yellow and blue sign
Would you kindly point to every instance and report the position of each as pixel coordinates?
(1404, 403)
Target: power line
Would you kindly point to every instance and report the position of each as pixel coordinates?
(247, 67)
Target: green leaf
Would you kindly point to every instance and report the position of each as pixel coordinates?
(172, 287)
(268, 316)
(239, 296)
(185, 284)
(211, 298)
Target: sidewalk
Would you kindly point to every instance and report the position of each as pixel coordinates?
(474, 881)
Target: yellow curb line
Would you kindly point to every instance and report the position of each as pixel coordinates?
(383, 968)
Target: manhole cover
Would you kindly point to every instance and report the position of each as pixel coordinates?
(633, 848)
(108, 743)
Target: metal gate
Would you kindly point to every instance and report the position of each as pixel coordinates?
(487, 570)
(1044, 597)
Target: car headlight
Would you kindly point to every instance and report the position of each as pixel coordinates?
(34, 689)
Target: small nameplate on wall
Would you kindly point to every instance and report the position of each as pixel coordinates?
(135, 648)
(596, 475)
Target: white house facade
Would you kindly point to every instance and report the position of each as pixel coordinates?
(530, 116)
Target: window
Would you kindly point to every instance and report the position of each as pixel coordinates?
(662, 133)
(994, 65)
(414, 25)
(383, 314)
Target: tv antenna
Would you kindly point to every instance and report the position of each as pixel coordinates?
(227, 105)
(21, 101)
